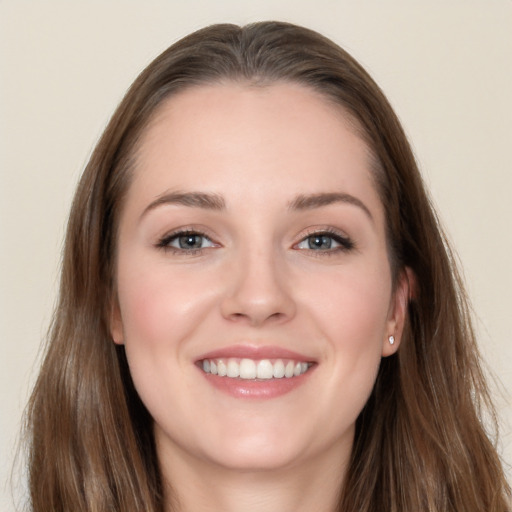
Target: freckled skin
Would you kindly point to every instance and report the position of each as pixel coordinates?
(258, 281)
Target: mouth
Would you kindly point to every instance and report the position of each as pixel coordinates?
(251, 369)
(248, 371)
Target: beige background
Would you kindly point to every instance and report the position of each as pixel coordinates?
(445, 66)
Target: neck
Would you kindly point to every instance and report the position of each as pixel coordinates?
(206, 487)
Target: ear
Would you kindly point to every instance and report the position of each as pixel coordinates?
(398, 311)
(116, 323)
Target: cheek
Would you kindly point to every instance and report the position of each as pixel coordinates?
(158, 305)
(353, 304)
(160, 312)
(351, 312)
(147, 309)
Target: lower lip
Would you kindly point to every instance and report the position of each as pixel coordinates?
(256, 389)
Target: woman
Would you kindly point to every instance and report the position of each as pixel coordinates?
(258, 309)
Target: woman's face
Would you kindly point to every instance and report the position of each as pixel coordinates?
(252, 240)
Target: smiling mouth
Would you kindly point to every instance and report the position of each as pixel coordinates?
(250, 369)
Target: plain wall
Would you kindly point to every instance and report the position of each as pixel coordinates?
(445, 66)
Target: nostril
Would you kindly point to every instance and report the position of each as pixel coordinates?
(255, 318)
(257, 299)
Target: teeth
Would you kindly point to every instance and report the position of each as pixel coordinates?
(233, 369)
(288, 371)
(265, 370)
(249, 369)
(278, 369)
(221, 368)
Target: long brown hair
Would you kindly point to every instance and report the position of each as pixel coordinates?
(420, 444)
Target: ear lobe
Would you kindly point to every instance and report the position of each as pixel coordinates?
(116, 324)
(398, 311)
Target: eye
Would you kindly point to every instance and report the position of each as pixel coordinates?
(325, 242)
(190, 241)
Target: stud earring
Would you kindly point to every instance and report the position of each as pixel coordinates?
(391, 340)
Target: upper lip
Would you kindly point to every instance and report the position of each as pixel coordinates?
(254, 352)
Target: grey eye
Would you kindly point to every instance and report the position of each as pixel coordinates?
(316, 242)
(325, 242)
(188, 241)
(319, 242)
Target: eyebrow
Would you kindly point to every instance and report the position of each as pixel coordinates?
(191, 199)
(309, 202)
(216, 202)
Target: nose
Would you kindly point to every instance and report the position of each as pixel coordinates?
(258, 292)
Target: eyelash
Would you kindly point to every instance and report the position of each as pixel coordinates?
(345, 243)
(164, 242)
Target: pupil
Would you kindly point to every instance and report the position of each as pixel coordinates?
(190, 242)
(320, 242)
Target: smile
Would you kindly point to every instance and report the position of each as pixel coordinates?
(250, 369)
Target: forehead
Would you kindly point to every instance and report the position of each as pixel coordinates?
(239, 138)
(243, 105)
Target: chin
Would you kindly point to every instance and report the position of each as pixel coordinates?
(244, 447)
(249, 458)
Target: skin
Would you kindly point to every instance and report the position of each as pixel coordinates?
(256, 280)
